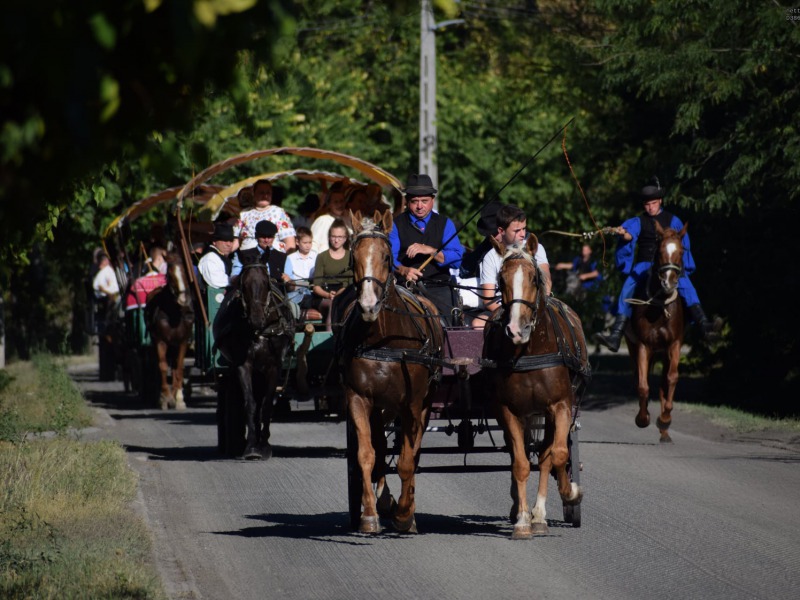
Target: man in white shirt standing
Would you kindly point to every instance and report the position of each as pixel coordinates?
(105, 283)
(215, 266)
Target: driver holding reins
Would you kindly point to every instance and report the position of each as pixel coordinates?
(636, 251)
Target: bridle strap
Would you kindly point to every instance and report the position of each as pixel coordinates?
(383, 285)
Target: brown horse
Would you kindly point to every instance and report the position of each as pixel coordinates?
(253, 332)
(170, 317)
(390, 342)
(540, 366)
(656, 329)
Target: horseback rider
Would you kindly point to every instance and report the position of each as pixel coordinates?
(418, 233)
(635, 253)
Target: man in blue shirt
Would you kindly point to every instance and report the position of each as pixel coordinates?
(419, 233)
(636, 250)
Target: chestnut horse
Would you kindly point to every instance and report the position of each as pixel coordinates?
(169, 316)
(539, 365)
(391, 344)
(253, 332)
(656, 329)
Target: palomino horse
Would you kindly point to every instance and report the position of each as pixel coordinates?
(253, 333)
(391, 343)
(656, 329)
(170, 317)
(537, 352)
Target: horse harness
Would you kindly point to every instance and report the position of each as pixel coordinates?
(282, 326)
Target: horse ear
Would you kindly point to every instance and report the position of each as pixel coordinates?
(355, 219)
(684, 229)
(387, 220)
(659, 229)
(498, 246)
(532, 244)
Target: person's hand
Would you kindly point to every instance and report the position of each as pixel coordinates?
(619, 230)
(410, 273)
(415, 249)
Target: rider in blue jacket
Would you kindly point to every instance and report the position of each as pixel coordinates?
(634, 257)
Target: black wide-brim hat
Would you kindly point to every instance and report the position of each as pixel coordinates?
(419, 185)
(487, 224)
(223, 232)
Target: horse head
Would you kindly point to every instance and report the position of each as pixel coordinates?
(521, 286)
(372, 261)
(669, 258)
(256, 292)
(177, 281)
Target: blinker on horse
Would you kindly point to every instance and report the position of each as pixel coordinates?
(170, 317)
(390, 342)
(539, 360)
(253, 333)
(656, 329)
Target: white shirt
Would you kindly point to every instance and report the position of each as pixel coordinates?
(212, 268)
(301, 269)
(105, 282)
(492, 261)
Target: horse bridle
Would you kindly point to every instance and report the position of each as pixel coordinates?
(256, 265)
(383, 285)
(533, 306)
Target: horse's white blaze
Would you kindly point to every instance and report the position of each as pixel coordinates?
(672, 248)
(368, 299)
(517, 287)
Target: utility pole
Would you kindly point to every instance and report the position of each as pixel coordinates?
(428, 136)
(427, 93)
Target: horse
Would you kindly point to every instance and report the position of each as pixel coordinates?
(656, 329)
(537, 362)
(253, 331)
(390, 346)
(169, 315)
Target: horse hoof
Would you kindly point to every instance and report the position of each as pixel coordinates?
(665, 439)
(405, 525)
(522, 532)
(180, 406)
(642, 421)
(540, 529)
(251, 454)
(386, 504)
(266, 451)
(369, 525)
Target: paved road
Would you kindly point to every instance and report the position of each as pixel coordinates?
(696, 519)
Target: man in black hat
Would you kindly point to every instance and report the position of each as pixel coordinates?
(635, 254)
(508, 224)
(262, 246)
(215, 265)
(418, 234)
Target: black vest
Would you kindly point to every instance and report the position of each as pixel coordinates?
(226, 260)
(433, 236)
(648, 243)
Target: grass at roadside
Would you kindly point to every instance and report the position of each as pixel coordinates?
(740, 421)
(67, 529)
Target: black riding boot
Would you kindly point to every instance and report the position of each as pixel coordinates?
(710, 329)
(614, 337)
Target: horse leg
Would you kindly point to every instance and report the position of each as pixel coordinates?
(360, 409)
(413, 427)
(642, 371)
(569, 491)
(669, 380)
(514, 429)
(166, 398)
(177, 377)
(265, 413)
(245, 373)
(545, 461)
(386, 504)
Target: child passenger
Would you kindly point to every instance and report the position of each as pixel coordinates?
(300, 270)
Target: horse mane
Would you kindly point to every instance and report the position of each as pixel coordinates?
(368, 225)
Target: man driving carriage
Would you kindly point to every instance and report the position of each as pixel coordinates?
(634, 257)
(420, 233)
(215, 265)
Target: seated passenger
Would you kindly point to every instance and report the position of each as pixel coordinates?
(300, 271)
(332, 271)
(215, 265)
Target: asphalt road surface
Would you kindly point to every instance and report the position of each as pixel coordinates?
(709, 516)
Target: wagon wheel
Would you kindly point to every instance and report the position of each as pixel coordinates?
(572, 513)
(355, 480)
(235, 426)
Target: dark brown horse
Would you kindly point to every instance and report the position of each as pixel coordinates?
(170, 317)
(253, 333)
(390, 343)
(540, 363)
(656, 329)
